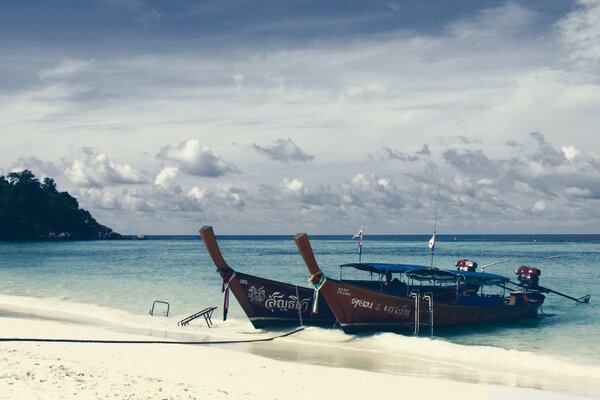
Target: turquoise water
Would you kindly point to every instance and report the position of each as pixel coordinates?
(127, 276)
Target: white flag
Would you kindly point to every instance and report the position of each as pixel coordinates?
(359, 236)
(431, 243)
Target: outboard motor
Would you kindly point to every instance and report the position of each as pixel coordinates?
(528, 276)
(466, 265)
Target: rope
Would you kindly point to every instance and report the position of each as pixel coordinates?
(318, 280)
(37, 340)
(227, 277)
(299, 306)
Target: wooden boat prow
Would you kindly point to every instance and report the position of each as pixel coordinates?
(267, 302)
(210, 241)
(307, 253)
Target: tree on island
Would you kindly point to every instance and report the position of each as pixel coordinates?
(33, 210)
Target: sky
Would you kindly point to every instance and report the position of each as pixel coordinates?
(276, 117)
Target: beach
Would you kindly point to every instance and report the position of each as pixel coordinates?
(175, 371)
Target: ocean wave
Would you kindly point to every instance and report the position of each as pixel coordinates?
(68, 311)
(470, 362)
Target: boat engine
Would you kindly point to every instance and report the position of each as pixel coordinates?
(466, 265)
(528, 276)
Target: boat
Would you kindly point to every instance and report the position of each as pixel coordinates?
(419, 296)
(266, 302)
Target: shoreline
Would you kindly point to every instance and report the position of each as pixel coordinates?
(278, 369)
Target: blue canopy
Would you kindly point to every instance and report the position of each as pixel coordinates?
(421, 272)
(481, 277)
(382, 268)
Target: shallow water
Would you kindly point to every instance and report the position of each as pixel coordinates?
(117, 281)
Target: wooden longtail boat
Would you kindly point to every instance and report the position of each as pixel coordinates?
(266, 302)
(452, 299)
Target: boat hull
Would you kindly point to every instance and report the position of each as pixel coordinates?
(269, 303)
(361, 309)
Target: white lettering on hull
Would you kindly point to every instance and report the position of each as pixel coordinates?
(278, 301)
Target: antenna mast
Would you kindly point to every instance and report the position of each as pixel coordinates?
(432, 240)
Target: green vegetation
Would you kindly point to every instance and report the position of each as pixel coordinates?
(33, 210)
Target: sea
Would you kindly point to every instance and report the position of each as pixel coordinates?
(115, 284)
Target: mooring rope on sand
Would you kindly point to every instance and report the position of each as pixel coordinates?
(43, 340)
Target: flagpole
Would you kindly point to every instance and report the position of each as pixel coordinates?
(432, 241)
(360, 253)
(360, 239)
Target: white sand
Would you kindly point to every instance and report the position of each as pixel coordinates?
(147, 371)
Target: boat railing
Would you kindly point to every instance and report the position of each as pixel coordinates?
(151, 312)
(206, 313)
(415, 294)
(429, 298)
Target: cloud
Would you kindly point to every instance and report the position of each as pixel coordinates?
(41, 169)
(371, 191)
(536, 169)
(387, 154)
(221, 196)
(474, 161)
(545, 153)
(570, 152)
(66, 68)
(540, 205)
(580, 31)
(117, 199)
(99, 170)
(284, 151)
(507, 19)
(141, 8)
(294, 195)
(460, 139)
(197, 159)
(167, 179)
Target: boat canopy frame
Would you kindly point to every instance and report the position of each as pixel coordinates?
(423, 273)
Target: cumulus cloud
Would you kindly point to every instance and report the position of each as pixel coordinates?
(117, 199)
(222, 195)
(99, 170)
(284, 151)
(372, 191)
(197, 159)
(505, 186)
(167, 178)
(293, 194)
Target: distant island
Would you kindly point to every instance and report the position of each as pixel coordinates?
(34, 210)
